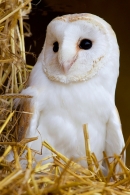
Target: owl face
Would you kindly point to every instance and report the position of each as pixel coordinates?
(76, 47)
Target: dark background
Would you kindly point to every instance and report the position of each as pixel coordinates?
(116, 13)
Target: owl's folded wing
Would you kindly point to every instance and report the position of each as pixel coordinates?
(25, 114)
(114, 137)
(27, 118)
(28, 114)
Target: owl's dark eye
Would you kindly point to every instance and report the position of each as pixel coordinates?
(85, 44)
(55, 47)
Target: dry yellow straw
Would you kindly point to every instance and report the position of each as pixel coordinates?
(6, 152)
(54, 151)
(87, 147)
(6, 122)
(15, 10)
(9, 179)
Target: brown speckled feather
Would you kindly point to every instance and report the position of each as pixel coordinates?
(25, 115)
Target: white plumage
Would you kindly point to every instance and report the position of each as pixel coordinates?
(73, 83)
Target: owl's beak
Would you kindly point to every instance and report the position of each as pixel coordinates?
(66, 58)
(67, 64)
(66, 67)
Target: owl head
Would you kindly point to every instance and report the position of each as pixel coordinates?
(79, 47)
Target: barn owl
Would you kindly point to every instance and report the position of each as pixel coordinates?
(73, 83)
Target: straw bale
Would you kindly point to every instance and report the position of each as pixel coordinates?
(13, 70)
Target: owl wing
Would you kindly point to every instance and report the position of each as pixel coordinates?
(28, 114)
(25, 114)
(27, 119)
(114, 137)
